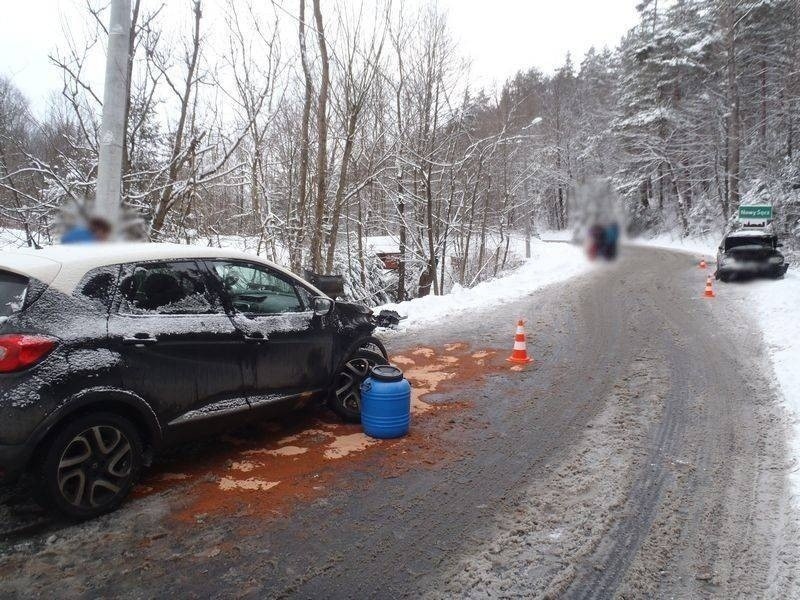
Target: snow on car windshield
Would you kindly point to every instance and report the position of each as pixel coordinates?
(12, 293)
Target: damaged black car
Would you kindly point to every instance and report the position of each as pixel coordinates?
(749, 253)
(107, 352)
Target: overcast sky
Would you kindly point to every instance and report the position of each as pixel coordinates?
(499, 36)
(505, 36)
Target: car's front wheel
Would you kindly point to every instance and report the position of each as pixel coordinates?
(91, 465)
(345, 399)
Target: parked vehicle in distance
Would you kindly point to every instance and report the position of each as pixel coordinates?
(109, 351)
(750, 253)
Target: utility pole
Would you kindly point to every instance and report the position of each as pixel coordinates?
(112, 129)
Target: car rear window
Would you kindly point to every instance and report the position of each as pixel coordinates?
(13, 288)
(738, 241)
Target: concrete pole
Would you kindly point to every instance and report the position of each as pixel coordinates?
(112, 129)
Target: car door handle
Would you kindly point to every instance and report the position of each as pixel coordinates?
(255, 337)
(140, 339)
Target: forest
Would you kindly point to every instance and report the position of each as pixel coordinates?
(303, 129)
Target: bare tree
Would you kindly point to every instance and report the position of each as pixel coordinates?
(318, 231)
(302, 179)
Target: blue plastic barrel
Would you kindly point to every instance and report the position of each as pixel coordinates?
(386, 403)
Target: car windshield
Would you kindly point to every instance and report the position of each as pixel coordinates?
(13, 288)
(752, 240)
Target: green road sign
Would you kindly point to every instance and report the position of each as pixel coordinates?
(755, 211)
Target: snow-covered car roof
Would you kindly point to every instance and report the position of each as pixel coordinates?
(63, 266)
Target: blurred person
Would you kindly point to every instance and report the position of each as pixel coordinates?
(594, 241)
(78, 234)
(100, 228)
(611, 240)
(97, 229)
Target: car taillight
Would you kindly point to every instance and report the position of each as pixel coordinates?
(19, 351)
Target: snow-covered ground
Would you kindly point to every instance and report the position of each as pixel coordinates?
(776, 304)
(706, 245)
(563, 235)
(549, 263)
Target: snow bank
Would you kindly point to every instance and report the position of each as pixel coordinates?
(776, 304)
(549, 263)
(706, 245)
(560, 235)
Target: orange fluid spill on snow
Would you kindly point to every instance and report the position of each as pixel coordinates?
(424, 380)
(402, 360)
(266, 471)
(173, 476)
(426, 352)
(251, 483)
(244, 466)
(455, 346)
(282, 451)
(343, 445)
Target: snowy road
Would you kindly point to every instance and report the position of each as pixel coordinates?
(642, 455)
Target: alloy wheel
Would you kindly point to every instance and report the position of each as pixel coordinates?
(348, 387)
(95, 466)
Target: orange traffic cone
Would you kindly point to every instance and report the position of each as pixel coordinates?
(520, 353)
(709, 293)
(703, 264)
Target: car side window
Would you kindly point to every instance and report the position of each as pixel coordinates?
(166, 288)
(255, 289)
(306, 297)
(98, 285)
(13, 289)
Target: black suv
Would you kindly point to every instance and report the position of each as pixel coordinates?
(109, 351)
(750, 253)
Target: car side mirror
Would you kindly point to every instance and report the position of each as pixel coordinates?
(779, 245)
(322, 306)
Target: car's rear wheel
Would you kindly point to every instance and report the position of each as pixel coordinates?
(345, 399)
(91, 465)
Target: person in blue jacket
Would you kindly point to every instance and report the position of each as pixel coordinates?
(611, 239)
(96, 230)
